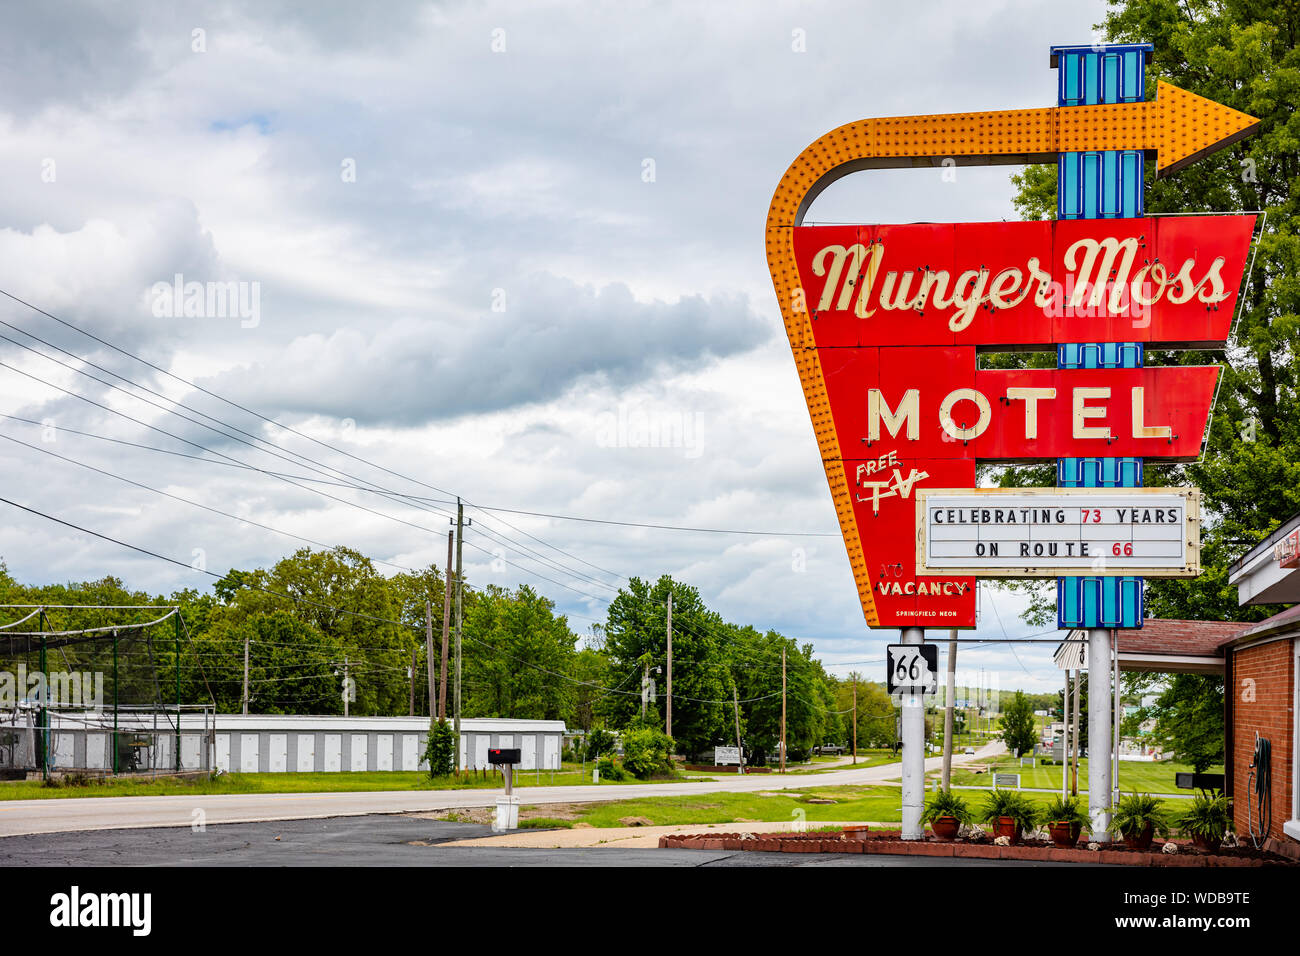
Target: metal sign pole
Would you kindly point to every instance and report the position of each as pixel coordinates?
(1099, 719)
(1119, 719)
(913, 752)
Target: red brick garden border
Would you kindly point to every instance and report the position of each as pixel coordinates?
(890, 842)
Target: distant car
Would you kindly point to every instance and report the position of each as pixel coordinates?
(970, 750)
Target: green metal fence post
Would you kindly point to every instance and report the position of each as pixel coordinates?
(116, 768)
(177, 629)
(45, 705)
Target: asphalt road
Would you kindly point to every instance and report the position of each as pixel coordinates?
(55, 815)
(383, 840)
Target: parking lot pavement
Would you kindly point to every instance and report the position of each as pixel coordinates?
(379, 840)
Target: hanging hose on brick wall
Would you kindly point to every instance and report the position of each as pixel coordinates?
(1261, 773)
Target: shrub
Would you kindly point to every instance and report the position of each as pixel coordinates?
(1205, 817)
(647, 751)
(945, 803)
(1009, 803)
(440, 751)
(609, 768)
(1133, 812)
(1065, 810)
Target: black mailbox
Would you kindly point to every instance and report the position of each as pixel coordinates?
(1198, 781)
(500, 756)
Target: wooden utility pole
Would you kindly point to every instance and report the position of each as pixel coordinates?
(429, 661)
(460, 616)
(855, 720)
(645, 687)
(669, 705)
(950, 690)
(245, 676)
(446, 631)
(783, 708)
(346, 688)
(414, 656)
(735, 697)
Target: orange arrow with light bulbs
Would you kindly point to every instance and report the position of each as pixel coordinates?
(1177, 126)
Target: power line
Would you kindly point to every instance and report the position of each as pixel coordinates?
(302, 600)
(195, 504)
(334, 448)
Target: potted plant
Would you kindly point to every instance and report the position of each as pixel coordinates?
(1065, 820)
(1205, 820)
(945, 812)
(1009, 812)
(1138, 817)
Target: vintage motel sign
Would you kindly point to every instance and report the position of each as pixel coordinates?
(885, 322)
(1049, 532)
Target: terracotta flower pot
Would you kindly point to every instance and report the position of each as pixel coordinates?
(1065, 835)
(945, 828)
(1007, 827)
(857, 833)
(1208, 844)
(1140, 841)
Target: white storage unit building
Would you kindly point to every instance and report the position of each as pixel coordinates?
(291, 743)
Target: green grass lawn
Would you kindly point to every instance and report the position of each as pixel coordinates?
(851, 803)
(863, 804)
(570, 775)
(1133, 775)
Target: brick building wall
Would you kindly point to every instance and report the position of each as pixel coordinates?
(1264, 672)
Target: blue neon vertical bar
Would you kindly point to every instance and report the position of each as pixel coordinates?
(1095, 185)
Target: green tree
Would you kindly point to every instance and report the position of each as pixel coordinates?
(636, 630)
(339, 594)
(1189, 719)
(517, 655)
(440, 749)
(877, 714)
(590, 667)
(1017, 723)
(756, 670)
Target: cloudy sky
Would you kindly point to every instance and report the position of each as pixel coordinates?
(494, 247)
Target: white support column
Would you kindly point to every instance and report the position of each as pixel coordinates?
(913, 752)
(1099, 731)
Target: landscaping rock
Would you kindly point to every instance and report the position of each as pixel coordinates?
(636, 821)
(1094, 847)
(970, 831)
(1002, 841)
(1169, 848)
